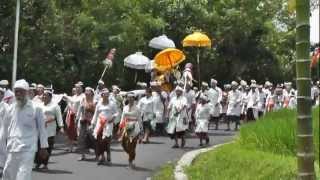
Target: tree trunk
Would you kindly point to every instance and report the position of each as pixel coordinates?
(305, 152)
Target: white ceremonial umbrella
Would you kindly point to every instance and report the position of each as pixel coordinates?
(136, 61)
(161, 42)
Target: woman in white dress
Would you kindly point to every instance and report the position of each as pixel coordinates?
(53, 118)
(102, 122)
(178, 122)
(131, 127)
(147, 108)
(203, 114)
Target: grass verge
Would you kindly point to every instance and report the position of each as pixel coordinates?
(231, 162)
(166, 172)
(265, 150)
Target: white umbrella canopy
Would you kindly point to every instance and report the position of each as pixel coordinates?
(136, 61)
(161, 42)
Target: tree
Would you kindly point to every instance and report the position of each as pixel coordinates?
(305, 152)
(69, 39)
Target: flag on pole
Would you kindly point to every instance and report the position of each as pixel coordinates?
(108, 61)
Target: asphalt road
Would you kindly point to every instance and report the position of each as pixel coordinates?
(150, 157)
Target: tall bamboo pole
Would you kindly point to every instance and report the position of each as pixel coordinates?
(15, 51)
(305, 152)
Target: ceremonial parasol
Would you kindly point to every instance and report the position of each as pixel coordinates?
(136, 61)
(161, 42)
(197, 39)
(168, 59)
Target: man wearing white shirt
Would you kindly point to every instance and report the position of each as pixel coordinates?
(26, 126)
(234, 106)
(147, 108)
(191, 100)
(262, 101)
(4, 123)
(159, 103)
(253, 99)
(215, 97)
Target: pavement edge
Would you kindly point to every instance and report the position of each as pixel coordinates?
(187, 159)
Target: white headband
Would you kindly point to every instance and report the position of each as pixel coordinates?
(22, 84)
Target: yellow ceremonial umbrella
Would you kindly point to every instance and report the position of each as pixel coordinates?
(197, 39)
(168, 58)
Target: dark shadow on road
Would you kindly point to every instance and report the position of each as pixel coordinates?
(115, 165)
(89, 160)
(154, 142)
(53, 171)
(137, 168)
(220, 134)
(188, 148)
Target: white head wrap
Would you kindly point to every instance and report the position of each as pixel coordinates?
(178, 88)
(214, 81)
(243, 83)
(22, 84)
(90, 89)
(253, 85)
(204, 84)
(115, 87)
(40, 86)
(234, 83)
(4, 82)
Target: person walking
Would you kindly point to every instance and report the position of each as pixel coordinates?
(131, 128)
(85, 115)
(27, 124)
(178, 122)
(102, 123)
(53, 118)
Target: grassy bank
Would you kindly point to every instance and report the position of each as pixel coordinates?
(231, 162)
(276, 133)
(166, 172)
(264, 150)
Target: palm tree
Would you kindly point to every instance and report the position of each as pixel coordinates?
(305, 152)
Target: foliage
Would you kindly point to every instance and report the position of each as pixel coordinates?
(165, 172)
(264, 150)
(276, 133)
(62, 42)
(233, 162)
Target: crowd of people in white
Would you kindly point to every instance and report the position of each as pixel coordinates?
(31, 116)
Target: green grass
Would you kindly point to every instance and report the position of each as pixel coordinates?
(165, 172)
(264, 150)
(276, 133)
(231, 162)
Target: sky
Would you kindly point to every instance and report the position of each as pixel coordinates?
(314, 23)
